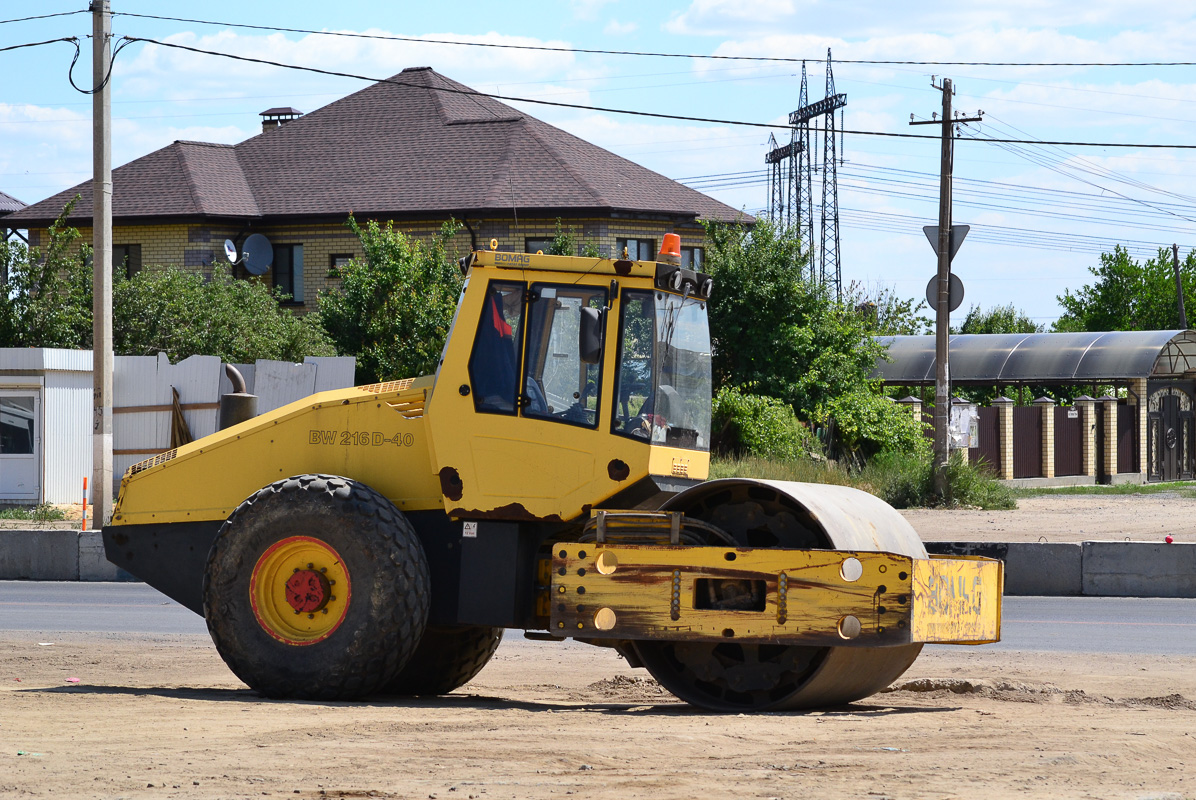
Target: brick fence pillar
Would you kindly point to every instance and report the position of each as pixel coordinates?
(914, 405)
(1087, 434)
(1004, 408)
(1047, 406)
(1108, 405)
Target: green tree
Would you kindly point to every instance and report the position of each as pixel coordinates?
(183, 313)
(46, 301)
(998, 319)
(886, 314)
(774, 330)
(1128, 295)
(789, 339)
(394, 307)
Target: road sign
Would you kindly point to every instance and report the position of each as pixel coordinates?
(954, 289)
(958, 232)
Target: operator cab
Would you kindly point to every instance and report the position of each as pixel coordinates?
(592, 371)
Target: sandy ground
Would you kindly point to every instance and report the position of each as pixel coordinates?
(1066, 518)
(158, 717)
(161, 717)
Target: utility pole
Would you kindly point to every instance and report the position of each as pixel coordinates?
(942, 372)
(101, 222)
(1179, 287)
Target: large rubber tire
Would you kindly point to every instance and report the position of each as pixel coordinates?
(728, 676)
(448, 656)
(385, 590)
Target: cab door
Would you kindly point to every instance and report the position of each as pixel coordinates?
(517, 413)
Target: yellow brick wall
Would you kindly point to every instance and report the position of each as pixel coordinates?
(200, 246)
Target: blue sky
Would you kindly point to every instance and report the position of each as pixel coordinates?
(1040, 214)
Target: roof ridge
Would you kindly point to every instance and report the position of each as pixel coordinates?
(548, 145)
(257, 205)
(205, 144)
(505, 167)
(191, 188)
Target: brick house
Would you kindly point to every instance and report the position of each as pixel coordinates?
(417, 149)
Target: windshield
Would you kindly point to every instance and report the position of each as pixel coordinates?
(663, 392)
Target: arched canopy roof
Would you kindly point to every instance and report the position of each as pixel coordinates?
(1042, 357)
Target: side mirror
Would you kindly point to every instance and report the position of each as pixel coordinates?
(589, 339)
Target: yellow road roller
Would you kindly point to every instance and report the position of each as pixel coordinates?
(549, 478)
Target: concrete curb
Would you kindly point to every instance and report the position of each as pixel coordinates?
(55, 555)
(1088, 569)
(1053, 569)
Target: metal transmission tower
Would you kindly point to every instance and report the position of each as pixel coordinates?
(791, 185)
(780, 171)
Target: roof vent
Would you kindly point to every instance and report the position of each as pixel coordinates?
(275, 117)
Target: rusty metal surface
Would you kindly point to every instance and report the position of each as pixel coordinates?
(653, 592)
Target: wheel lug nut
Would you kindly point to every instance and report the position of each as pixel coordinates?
(310, 565)
(323, 569)
(311, 616)
(325, 611)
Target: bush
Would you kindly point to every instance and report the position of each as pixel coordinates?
(752, 424)
(906, 480)
(865, 422)
(178, 312)
(395, 305)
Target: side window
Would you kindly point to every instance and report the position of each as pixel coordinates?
(635, 381)
(494, 362)
(562, 383)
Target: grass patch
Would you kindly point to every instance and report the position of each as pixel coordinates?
(1181, 488)
(40, 513)
(902, 481)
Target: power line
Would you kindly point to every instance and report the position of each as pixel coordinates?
(43, 16)
(546, 48)
(70, 39)
(608, 110)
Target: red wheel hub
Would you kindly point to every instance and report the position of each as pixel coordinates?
(307, 591)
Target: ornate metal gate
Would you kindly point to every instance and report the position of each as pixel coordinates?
(1170, 430)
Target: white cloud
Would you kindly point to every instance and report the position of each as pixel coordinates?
(156, 70)
(616, 28)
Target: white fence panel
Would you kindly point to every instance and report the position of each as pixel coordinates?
(277, 383)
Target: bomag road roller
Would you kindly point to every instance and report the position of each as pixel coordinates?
(550, 478)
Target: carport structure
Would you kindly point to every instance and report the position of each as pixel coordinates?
(1147, 435)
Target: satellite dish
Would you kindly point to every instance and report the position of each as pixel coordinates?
(258, 254)
(230, 251)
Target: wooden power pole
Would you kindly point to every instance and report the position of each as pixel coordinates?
(101, 221)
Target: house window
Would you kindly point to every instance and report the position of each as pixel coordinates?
(288, 271)
(693, 258)
(336, 261)
(534, 245)
(637, 249)
(127, 257)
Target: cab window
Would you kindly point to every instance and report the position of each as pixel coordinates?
(562, 381)
(494, 362)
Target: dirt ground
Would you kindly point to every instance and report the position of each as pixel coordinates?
(1066, 518)
(90, 715)
(162, 717)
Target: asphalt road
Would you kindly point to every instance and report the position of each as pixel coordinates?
(1154, 626)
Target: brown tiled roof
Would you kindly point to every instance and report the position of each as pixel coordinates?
(398, 147)
(8, 203)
